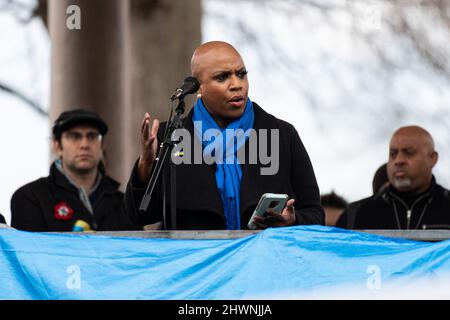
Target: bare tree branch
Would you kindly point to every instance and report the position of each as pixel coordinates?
(22, 11)
(22, 97)
(437, 11)
(41, 10)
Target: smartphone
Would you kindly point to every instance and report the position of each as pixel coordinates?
(274, 201)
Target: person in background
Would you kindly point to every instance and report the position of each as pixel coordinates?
(413, 199)
(380, 179)
(333, 205)
(78, 195)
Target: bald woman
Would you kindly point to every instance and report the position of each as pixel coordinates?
(221, 188)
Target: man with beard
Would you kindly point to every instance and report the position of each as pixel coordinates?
(413, 199)
(77, 195)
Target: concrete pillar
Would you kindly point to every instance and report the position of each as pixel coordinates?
(89, 69)
(128, 58)
(164, 34)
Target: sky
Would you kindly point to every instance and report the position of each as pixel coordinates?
(333, 88)
(317, 76)
(25, 134)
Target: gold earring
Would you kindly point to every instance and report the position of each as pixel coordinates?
(199, 95)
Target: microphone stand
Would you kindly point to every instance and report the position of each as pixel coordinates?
(165, 150)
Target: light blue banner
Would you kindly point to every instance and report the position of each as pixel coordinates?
(279, 263)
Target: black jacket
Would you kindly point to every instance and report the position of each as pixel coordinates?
(199, 206)
(34, 207)
(389, 209)
(2, 219)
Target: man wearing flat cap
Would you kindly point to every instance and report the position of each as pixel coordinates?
(77, 195)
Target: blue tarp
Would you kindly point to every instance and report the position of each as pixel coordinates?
(276, 263)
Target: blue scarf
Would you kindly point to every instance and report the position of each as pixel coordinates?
(228, 175)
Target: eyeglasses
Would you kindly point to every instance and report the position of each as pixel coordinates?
(75, 136)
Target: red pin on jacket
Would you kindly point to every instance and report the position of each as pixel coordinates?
(63, 211)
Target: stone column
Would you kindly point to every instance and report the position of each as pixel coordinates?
(89, 68)
(164, 34)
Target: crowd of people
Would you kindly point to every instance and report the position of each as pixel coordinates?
(79, 195)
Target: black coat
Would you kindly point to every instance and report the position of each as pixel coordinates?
(199, 206)
(388, 210)
(33, 206)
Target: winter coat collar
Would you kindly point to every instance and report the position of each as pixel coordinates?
(389, 193)
(107, 184)
(253, 183)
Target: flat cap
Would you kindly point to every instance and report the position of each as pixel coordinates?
(71, 118)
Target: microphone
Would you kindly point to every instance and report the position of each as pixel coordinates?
(81, 226)
(190, 85)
